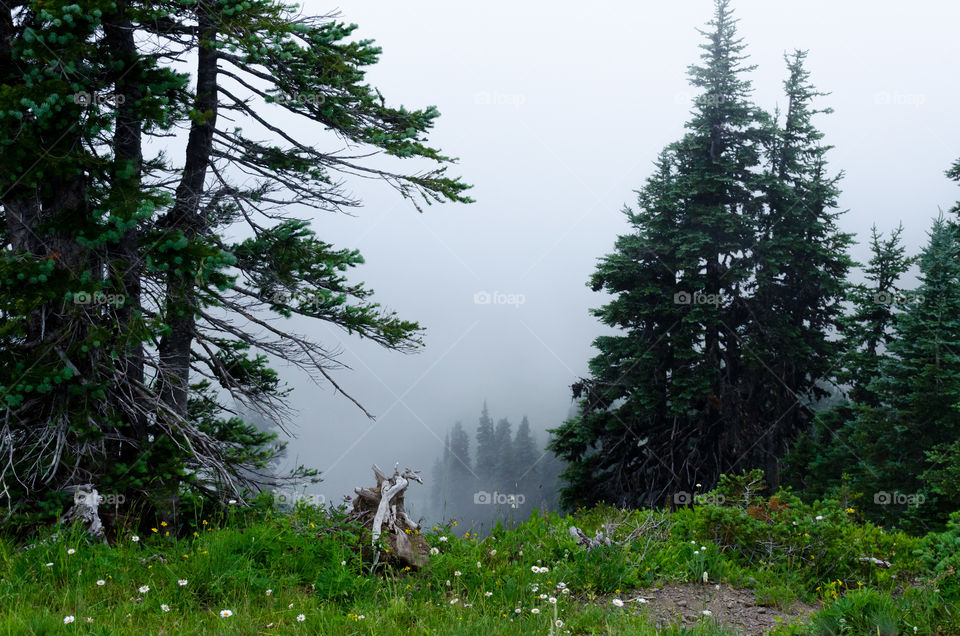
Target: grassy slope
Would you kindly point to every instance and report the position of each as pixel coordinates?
(309, 560)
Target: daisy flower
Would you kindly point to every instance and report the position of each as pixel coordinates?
(454, 601)
(226, 613)
(558, 623)
(517, 611)
(290, 606)
(618, 602)
(456, 572)
(134, 538)
(71, 551)
(68, 619)
(553, 600)
(89, 619)
(361, 617)
(101, 582)
(535, 569)
(434, 550)
(144, 589)
(443, 539)
(301, 618)
(535, 610)
(543, 596)
(488, 594)
(269, 592)
(707, 613)
(165, 607)
(182, 582)
(544, 570)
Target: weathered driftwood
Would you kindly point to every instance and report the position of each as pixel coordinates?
(584, 540)
(878, 562)
(381, 509)
(86, 510)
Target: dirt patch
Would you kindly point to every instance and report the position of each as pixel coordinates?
(727, 606)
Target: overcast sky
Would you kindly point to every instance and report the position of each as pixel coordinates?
(557, 111)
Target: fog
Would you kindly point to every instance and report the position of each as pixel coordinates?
(557, 112)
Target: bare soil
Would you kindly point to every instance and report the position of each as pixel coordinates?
(728, 606)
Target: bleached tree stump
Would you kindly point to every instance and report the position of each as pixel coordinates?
(381, 510)
(86, 510)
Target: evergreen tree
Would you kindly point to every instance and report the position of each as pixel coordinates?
(487, 452)
(918, 390)
(701, 381)
(460, 477)
(525, 458)
(503, 440)
(800, 264)
(130, 313)
(827, 451)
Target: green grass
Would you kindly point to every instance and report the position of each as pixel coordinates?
(268, 568)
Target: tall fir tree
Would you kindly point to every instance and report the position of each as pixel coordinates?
(827, 450)
(486, 462)
(698, 384)
(918, 390)
(503, 440)
(525, 457)
(132, 312)
(800, 263)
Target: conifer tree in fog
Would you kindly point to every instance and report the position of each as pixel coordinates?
(724, 294)
(140, 286)
(487, 452)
